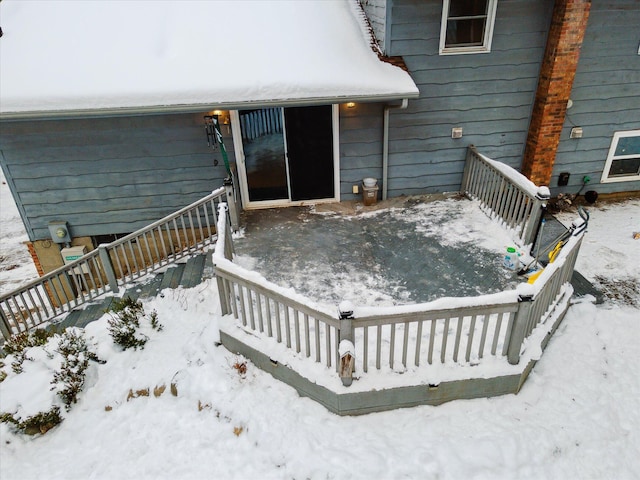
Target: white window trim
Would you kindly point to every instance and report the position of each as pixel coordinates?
(611, 157)
(488, 32)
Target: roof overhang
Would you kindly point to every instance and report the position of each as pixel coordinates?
(199, 107)
(159, 58)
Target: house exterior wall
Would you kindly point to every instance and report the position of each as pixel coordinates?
(605, 96)
(116, 174)
(107, 175)
(489, 95)
(360, 146)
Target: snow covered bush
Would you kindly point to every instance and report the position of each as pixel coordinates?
(69, 380)
(41, 422)
(17, 345)
(29, 403)
(124, 323)
(20, 341)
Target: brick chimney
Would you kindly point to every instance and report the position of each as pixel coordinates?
(568, 25)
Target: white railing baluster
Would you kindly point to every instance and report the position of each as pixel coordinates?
(418, 343)
(268, 312)
(307, 338)
(483, 338)
(296, 322)
(243, 311)
(317, 332)
(365, 350)
(432, 339)
(251, 310)
(445, 336)
(278, 326)
(260, 318)
(470, 335)
(287, 327)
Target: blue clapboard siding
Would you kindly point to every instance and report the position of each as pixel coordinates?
(605, 95)
(360, 146)
(489, 95)
(108, 175)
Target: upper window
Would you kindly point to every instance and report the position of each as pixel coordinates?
(623, 161)
(467, 26)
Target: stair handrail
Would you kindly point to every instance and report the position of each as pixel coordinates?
(111, 265)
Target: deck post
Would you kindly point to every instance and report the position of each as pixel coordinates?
(228, 243)
(234, 215)
(471, 150)
(346, 350)
(525, 302)
(345, 310)
(105, 259)
(537, 213)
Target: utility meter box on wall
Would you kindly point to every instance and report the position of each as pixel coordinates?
(71, 254)
(59, 232)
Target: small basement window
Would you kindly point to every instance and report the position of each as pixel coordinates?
(467, 26)
(623, 161)
(100, 239)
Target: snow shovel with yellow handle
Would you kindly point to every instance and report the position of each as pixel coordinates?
(575, 229)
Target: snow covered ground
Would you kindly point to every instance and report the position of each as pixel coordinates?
(576, 417)
(15, 262)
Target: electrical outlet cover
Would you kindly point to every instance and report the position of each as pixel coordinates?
(563, 179)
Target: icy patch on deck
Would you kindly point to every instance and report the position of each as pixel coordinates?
(403, 255)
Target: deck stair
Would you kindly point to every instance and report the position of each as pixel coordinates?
(186, 275)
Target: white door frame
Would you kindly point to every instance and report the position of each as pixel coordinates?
(242, 171)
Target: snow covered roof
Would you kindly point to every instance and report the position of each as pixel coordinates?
(59, 57)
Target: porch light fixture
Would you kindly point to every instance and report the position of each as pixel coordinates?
(351, 104)
(223, 116)
(210, 129)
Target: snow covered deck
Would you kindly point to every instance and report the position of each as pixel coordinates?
(370, 353)
(402, 251)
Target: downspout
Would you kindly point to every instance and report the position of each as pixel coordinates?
(385, 143)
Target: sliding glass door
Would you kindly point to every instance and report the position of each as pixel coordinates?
(288, 154)
(264, 154)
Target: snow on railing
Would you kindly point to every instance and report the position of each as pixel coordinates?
(548, 296)
(506, 194)
(447, 330)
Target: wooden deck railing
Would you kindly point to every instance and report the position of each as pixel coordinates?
(430, 334)
(112, 265)
(458, 330)
(269, 310)
(506, 194)
(448, 330)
